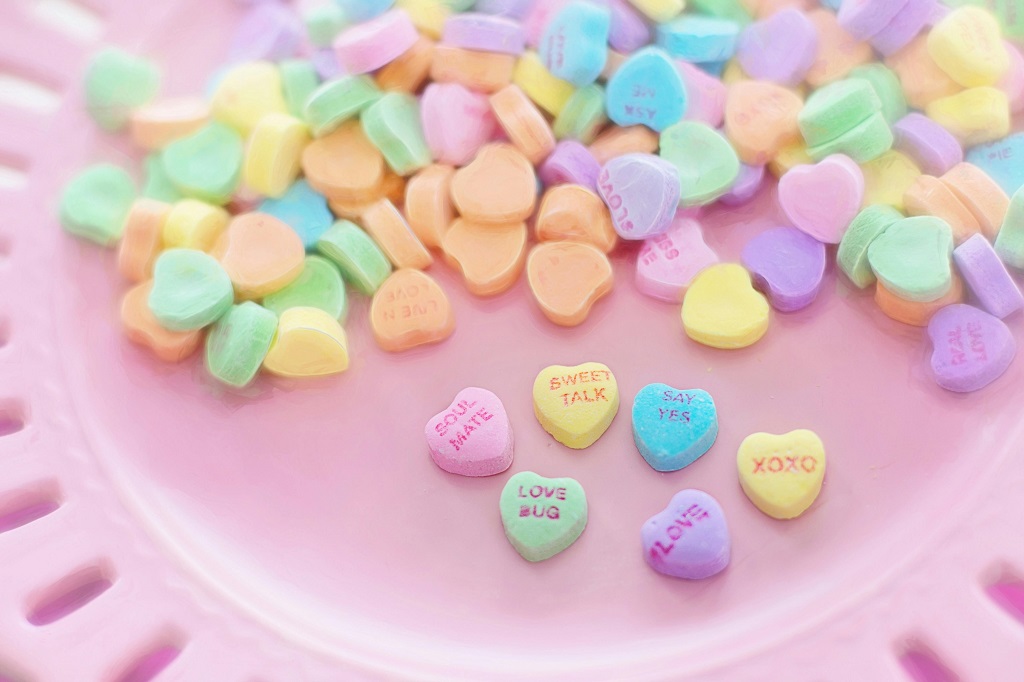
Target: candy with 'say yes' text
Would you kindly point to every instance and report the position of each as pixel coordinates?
(673, 428)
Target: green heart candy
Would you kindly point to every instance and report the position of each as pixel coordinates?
(1010, 240)
(94, 205)
(319, 286)
(837, 109)
(869, 224)
(887, 87)
(392, 124)
(337, 101)
(190, 290)
(912, 258)
(157, 185)
(117, 82)
(207, 164)
(707, 163)
(238, 343)
(357, 256)
(863, 143)
(583, 115)
(542, 516)
(299, 80)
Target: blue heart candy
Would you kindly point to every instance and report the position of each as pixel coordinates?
(673, 428)
(574, 46)
(1002, 161)
(646, 90)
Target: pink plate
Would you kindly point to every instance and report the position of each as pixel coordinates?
(152, 524)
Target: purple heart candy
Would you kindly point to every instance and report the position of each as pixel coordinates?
(629, 32)
(904, 27)
(864, 18)
(987, 278)
(642, 193)
(788, 265)
(485, 32)
(747, 183)
(689, 539)
(781, 48)
(971, 348)
(570, 163)
(933, 147)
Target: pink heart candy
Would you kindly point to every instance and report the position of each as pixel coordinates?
(473, 436)
(971, 348)
(456, 122)
(668, 262)
(823, 199)
(689, 539)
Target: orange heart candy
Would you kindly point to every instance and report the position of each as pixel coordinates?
(574, 213)
(261, 254)
(385, 224)
(567, 278)
(410, 309)
(499, 186)
(761, 119)
(490, 257)
(141, 327)
(141, 239)
(428, 203)
(344, 165)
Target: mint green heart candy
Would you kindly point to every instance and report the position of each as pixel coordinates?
(707, 163)
(912, 258)
(190, 290)
(1010, 241)
(837, 109)
(319, 286)
(392, 124)
(337, 101)
(237, 344)
(207, 164)
(887, 87)
(157, 185)
(94, 205)
(583, 115)
(864, 143)
(869, 224)
(360, 260)
(116, 83)
(299, 80)
(324, 23)
(542, 516)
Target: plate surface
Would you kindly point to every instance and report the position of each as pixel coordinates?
(303, 527)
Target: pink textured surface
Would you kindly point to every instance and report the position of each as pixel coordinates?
(302, 532)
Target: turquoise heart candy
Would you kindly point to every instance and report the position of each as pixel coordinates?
(673, 428)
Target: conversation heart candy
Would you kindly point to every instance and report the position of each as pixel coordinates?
(823, 199)
(542, 516)
(689, 539)
(368, 46)
(852, 256)
(1001, 161)
(523, 123)
(929, 196)
(207, 164)
(309, 343)
(782, 475)
(987, 277)
(981, 196)
(570, 163)
(318, 286)
(760, 119)
(887, 179)
(457, 122)
(155, 125)
(274, 153)
(576, 404)
(642, 193)
(667, 263)
(781, 48)
(344, 165)
(574, 45)
(673, 428)
(646, 90)
(838, 52)
(911, 258)
(303, 209)
(868, 140)
(238, 343)
(864, 18)
(410, 309)
(142, 328)
(971, 348)
(836, 109)
(887, 88)
(974, 116)
(699, 39)
(337, 101)
(393, 125)
(141, 240)
(485, 32)
(499, 186)
(190, 290)
(480, 71)
(473, 436)
(246, 93)
(583, 116)
(116, 83)
(722, 309)
(95, 204)
(386, 225)
(933, 147)
(916, 313)
(967, 45)
(706, 162)
(787, 265)
(261, 254)
(574, 213)
(490, 257)
(567, 278)
(748, 182)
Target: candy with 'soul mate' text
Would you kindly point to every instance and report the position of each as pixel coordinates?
(473, 436)
(689, 539)
(542, 516)
(576, 405)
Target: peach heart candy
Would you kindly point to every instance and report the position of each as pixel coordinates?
(823, 199)
(409, 310)
(722, 309)
(489, 256)
(473, 436)
(567, 278)
(542, 516)
(667, 263)
(577, 404)
(689, 539)
(261, 254)
(971, 348)
(499, 186)
(782, 475)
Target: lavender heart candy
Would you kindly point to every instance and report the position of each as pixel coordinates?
(970, 348)
(788, 265)
(689, 539)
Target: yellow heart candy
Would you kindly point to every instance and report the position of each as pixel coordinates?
(309, 343)
(722, 309)
(974, 116)
(577, 404)
(968, 45)
(782, 475)
(887, 179)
